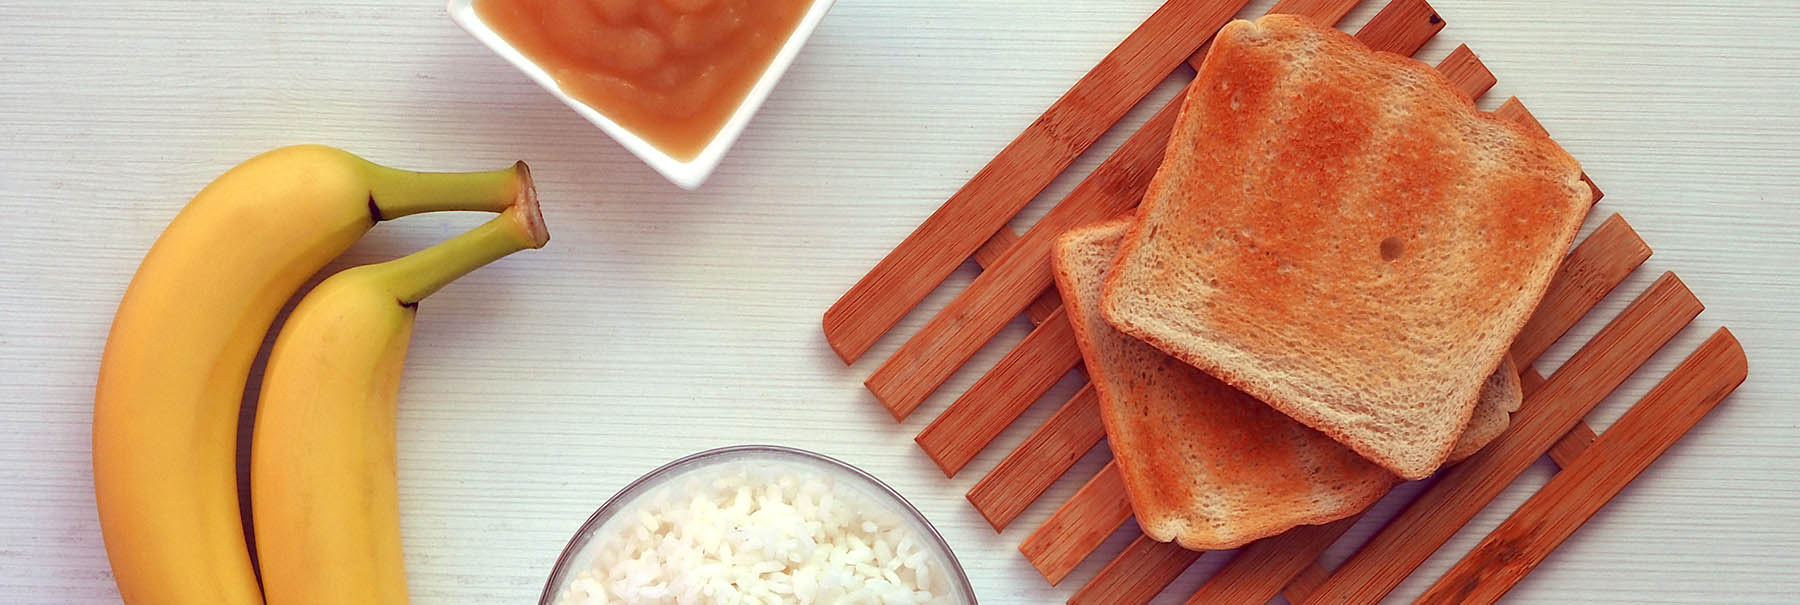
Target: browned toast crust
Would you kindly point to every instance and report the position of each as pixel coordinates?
(1341, 234)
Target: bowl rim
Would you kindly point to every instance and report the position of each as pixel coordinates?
(588, 528)
(687, 174)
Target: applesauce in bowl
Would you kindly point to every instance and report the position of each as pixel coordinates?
(671, 71)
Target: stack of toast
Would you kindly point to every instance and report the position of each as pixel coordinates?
(1315, 299)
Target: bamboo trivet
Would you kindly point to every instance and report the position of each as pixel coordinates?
(1016, 280)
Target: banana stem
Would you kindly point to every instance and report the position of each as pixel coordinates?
(416, 276)
(396, 193)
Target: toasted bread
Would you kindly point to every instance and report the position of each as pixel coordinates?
(1206, 465)
(1500, 397)
(1340, 233)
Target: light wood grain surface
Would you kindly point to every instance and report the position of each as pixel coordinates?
(659, 322)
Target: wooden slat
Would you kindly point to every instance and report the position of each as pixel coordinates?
(1466, 71)
(1402, 27)
(1018, 480)
(1575, 291)
(1046, 303)
(1259, 570)
(1530, 380)
(1321, 11)
(1326, 12)
(1594, 189)
(1021, 170)
(1144, 569)
(1079, 526)
(1514, 110)
(1572, 444)
(1305, 583)
(997, 399)
(1628, 447)
(1444, 507)
(1008, 286)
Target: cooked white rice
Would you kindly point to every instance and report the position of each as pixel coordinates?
(759, 532)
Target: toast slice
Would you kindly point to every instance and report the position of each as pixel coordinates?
(1340, 233)
(1500, 396)
(1206, 465)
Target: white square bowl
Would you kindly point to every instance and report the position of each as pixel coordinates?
(688, 174)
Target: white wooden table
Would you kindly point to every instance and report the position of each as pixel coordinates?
(659, 322)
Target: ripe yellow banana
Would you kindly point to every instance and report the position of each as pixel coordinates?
(322, 462)
(172, 376)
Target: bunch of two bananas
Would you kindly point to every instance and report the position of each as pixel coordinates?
(323, 490)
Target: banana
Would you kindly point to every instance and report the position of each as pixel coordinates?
(322, 460)
(172, 376)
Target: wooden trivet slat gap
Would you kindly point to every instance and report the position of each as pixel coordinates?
(1016, 280)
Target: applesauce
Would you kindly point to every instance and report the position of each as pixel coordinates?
(671, 71)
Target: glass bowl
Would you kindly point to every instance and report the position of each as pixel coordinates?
(577, 556)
